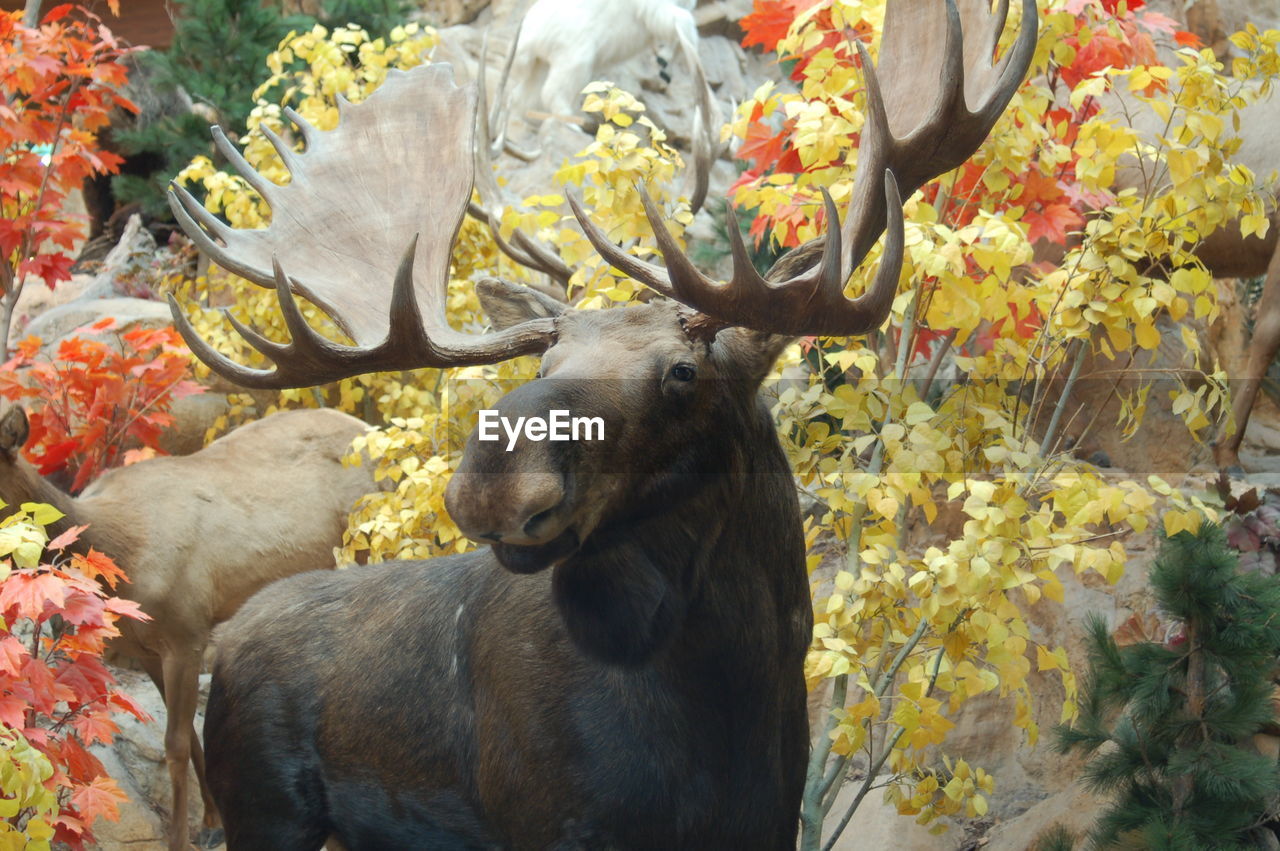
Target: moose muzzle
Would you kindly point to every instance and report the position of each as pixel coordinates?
(517, 497)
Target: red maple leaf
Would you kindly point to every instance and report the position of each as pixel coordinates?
(95, 727)
(768, 23)
(100, 798)
(28, 593)
(1052, 223)
(95, 565)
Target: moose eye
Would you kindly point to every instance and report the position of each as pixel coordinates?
(683, 372)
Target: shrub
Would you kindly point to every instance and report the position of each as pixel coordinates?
(93, 401)
(1164, 720)
(56, 696)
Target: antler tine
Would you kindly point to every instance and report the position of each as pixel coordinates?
(1012, 66)
(501, 143)
(286, 153)
(188, 211)
(259, 379)
(304, 126)
(908, 139)
(652, 276)
(526, 250)
(705, 122)
(261, 185)
(413, 341)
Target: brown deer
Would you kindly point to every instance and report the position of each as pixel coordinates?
(198, 535)
(622, 665)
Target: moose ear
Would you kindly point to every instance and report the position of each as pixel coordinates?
(509, 304)
(14, 430)
(751, 354)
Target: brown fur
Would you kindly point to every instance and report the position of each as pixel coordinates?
(197, 536)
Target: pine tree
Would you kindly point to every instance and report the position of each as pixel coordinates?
(218, 56)
(1164, 721)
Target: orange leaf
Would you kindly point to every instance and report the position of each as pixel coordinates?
(66, 539)
(29, 593)
(100, 798)
(95, 565)
(95, 727)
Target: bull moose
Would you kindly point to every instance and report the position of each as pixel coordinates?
(622, 665)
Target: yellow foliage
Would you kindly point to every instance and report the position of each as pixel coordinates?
(914, 630)
(27, 806)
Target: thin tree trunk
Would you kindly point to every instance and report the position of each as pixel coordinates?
(31, 14)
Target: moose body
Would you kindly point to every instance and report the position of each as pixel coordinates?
(519, 738)
(623, 666)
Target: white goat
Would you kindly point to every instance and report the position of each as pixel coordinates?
(565, 44)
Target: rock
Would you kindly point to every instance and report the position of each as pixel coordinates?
(1074, 808)
(130, 255)
(65, 320)
(876, 825)
(985, 735)
(37, 299)
(1166, 448)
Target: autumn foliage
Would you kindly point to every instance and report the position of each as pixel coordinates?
(59, 83)
(1019, 266)
(56, 696)
(95, 405)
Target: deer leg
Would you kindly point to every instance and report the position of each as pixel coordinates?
(181, 672)
(212, 821)
(1262, 349)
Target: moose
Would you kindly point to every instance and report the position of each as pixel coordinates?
(197, 535)
(622, 664)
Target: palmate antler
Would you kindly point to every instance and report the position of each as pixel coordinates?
(397, 172)
(930, 104)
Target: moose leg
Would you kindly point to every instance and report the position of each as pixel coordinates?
(1262, 349)
(181, 672)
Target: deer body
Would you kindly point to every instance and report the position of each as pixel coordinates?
(521, 739)
(198, 535)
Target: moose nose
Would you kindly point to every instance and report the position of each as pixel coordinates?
(511, 508)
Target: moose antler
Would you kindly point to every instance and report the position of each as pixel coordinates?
(930, 105)
(522, 248)
(342, 220)
(396, 172)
